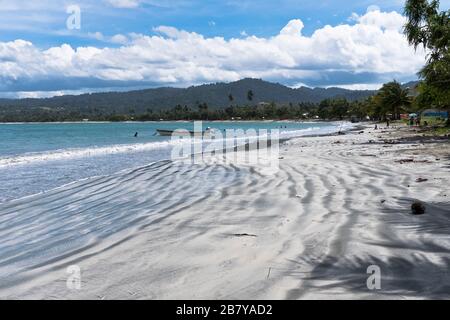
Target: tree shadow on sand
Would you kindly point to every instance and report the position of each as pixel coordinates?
(423, 139)
(447, 164)
(414, 258)
(414, 277)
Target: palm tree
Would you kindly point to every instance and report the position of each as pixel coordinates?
(394, 98)
(428, 27)
(250, 95)
(203, 107)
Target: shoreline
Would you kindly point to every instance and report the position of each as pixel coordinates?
(98, 151)
(180, 121)
(338, 204)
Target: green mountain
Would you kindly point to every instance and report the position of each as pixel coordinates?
(216, 96)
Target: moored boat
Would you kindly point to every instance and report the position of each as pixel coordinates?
(167, 133)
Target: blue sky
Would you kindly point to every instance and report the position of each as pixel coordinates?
(117, 29)
(44, 23)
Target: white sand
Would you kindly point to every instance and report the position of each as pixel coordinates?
(336, 206)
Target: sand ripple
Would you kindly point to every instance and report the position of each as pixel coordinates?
(172, 230)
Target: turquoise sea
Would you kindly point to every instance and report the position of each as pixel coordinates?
(36, 157)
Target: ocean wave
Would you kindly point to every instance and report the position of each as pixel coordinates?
(77, 153)
(68, 154)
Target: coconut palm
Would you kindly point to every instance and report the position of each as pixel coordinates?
(231, 99)
(394, 98)
(250, 95)
(429, 27)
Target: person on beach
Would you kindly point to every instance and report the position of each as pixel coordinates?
(387, 123)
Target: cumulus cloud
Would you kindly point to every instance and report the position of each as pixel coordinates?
(370, 51)
(293, 28)
(119, 38)
(373, 8)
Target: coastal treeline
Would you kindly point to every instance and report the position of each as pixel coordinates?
(390, 101)
(337, 108)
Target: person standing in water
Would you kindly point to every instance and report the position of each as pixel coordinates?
(135, 135)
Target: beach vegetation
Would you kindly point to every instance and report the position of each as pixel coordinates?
(394, 99)
(428, 27)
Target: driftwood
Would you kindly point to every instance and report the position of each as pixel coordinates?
(244, 235)
(401, 161)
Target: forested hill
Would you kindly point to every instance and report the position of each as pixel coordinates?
(218, 95)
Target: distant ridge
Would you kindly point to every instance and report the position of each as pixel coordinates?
(215, 95)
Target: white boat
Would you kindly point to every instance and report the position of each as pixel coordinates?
(168, 133)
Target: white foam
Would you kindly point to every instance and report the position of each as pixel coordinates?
(78, 153)
(66, 154)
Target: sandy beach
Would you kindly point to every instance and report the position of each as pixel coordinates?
(338, 205)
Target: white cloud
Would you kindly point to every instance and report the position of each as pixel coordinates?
(174, 33)
(96, 35)
(124, 3)
(354, 17)
(119, 39)
(293, 28)
(392, 20)
(373, 8)
(370, 51)
(359, 86)
(38, 94)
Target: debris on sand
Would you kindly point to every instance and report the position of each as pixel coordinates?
(404, 160)
(417, 208)
(421, 180)
(244, 235)
(401, 161)
(368, 155)
(268, 274)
